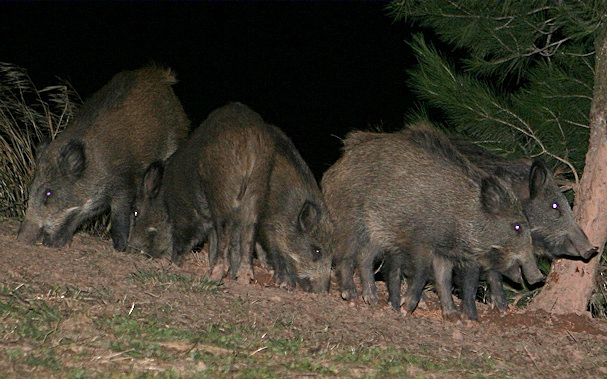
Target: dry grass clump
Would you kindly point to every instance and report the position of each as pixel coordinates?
(28, 117)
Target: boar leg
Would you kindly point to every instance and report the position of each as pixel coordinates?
(262, 256)
(344, 269)
(220, 261)
(443, 273)
(496, 285)
(469, 286)
(234, 254)
(394, 281)
(121, 220)
(364, 261)
(417, 281)
(247, 246)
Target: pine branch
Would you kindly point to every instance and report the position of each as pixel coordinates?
(475, 109)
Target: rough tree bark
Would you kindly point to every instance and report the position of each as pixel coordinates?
(570, 283)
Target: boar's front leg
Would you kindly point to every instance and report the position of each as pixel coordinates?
(365, 260)
(344, 270)
(469, 286)
(121, 206)
(496, 285)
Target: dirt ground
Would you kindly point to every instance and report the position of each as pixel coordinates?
(89, 311)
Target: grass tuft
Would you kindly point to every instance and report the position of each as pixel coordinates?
(28, 117)
(166, 278)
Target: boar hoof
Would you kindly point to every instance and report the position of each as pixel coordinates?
(218, 273)
(371, 299)
(349, 295)
(452, 316)
(120, 243)
(500, 307)
(177, 259)
(245, 276)
(286, 285)
(405, 312)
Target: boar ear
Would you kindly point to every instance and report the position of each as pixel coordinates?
(308, 216)
(72, 159)
(493, 195)
(152, 179)
(537, 177)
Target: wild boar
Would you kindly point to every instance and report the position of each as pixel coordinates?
(100, 158)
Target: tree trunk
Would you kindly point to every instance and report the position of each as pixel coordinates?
(570, 283)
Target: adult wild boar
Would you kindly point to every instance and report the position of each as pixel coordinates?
(100, 158)
(413, 199)
(554, 231)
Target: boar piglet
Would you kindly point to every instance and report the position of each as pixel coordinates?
(413, 200)
(295, 230)
(171, 213)
(97, 162)
(237, 151)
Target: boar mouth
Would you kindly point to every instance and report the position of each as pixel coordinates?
(58, 240)
(314, 285)
(151, 253)
(514, 273)
(529, 270)
(305, 284)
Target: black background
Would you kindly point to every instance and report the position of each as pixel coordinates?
(316, 70)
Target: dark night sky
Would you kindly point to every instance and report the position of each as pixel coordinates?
(313, 69)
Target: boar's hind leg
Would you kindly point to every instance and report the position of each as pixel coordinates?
(121, 220)
(220, 261)
(234, 255)
(344, 269)
(443, 272)
(417, 281)
(247, 246)
(469, 285)
(367, 276)
(394, 267)
(496, 285)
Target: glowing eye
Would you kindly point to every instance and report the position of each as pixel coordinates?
(136, 213)
(48, 193)
(316, 253)
(555, 205)
(517, 227)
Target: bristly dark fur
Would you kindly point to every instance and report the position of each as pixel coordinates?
(96, 163)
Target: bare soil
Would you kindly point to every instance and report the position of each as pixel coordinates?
(91, 304)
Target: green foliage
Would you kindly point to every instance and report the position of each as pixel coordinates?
(520, 83)
(506, 37)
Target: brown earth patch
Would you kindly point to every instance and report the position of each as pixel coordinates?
(101, 313)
